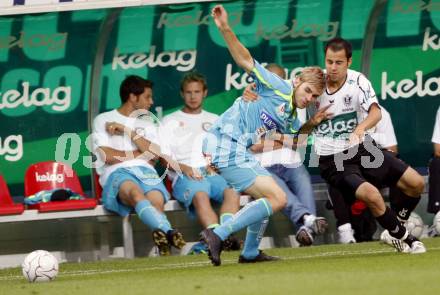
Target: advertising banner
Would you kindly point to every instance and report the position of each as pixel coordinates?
(46, 61)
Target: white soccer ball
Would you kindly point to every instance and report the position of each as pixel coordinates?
(40, 266)
(414, 225)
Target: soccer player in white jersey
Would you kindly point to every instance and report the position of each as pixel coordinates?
(127, 143)
(348, 159)
(186, 129)
(434, 175)
(352, 223)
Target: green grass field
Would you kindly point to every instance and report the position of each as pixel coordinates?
(368, 268)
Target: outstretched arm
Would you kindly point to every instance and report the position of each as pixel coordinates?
(239, 53)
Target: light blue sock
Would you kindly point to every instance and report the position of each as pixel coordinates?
(166, 222)
(251, 213)
(225, 217)
(254, 235)
(151, 217)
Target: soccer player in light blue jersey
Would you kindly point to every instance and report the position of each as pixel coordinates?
(242, 125)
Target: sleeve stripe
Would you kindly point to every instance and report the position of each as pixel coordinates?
(287, 97)
(257, 73)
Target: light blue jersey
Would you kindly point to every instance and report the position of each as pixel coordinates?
(228, 140)
(245, 122)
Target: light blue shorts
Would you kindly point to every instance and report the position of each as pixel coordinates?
(232, 159)
(185, 188)
(241, 178)
(146, 178)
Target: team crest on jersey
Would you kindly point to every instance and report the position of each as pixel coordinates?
(347, 100)
(280, 110)
(350, 82)
(206, 126)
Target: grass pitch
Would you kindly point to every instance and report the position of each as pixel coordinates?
(367, 268)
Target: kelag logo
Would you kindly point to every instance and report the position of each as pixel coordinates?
(47, 177)
(183, 60)
(407, 87)
(12, 147)
(50, 41)
(58, 99)
(345, 123)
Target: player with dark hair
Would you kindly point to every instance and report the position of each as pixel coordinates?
(346, 151)
(127, 143)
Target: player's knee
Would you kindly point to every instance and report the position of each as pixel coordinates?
(231, 198)
(200, 199)
(281, 200)
(371, 196)
(133, 196)
(157, 203)
(418, 185)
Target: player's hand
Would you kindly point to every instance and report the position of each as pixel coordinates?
(220, 16)
(114, 128)
(192, 173)
(211, 170)
(357, 136)
(249, 94)
(321, 115)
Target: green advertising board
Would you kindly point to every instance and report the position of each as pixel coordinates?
(47, 61)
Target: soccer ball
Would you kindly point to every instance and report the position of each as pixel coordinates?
(414, 225)
(40, 266)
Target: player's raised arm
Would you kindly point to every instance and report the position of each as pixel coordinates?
(239, 53)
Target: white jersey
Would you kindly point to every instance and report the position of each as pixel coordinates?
(285, 156)
(436, 133)
(350, 106)
(101, 138)
(384, 134)
(185, 133)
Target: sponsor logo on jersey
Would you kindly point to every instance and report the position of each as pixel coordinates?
(260, 131)
(268, 121)
(206, 126)
(337, 126)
